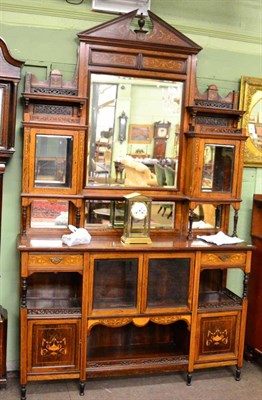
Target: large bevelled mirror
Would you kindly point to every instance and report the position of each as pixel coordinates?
(134, 130)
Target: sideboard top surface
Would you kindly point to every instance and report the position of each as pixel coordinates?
(113, 243)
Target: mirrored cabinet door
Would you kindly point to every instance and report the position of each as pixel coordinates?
(216, 174)
(218, 168)
(54, 154)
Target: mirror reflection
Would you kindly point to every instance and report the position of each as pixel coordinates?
(255, 122)
(49, 214)
(206, 216)
(53, 159)
(134, 131)
(110, 214)
(218, 168)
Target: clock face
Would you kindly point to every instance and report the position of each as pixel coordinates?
(162, 132)
(138, 211)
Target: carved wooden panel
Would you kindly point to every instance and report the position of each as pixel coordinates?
(218, 336)
(167, 64)
(52, 345)
(113, 58)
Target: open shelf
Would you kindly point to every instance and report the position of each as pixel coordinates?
(50, 293)
(145, 349)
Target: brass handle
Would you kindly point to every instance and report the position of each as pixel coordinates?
(56, 260)
(224, 257)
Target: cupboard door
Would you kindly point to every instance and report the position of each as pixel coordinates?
(53, 345)
(115, 282)
(53, 156)
(168, 283)
(217, 336)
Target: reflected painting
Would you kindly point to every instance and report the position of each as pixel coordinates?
(49, 214)
(131, 154)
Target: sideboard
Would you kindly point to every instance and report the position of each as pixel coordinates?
(107, 309)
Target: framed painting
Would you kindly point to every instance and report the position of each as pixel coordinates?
(140, 134)
(251, 102)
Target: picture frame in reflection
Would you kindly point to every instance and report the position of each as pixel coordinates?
(140, 134)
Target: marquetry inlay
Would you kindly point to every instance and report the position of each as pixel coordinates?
(223, 258)
(53, 347)
(217, 338)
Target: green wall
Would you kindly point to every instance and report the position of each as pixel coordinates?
(43, 34)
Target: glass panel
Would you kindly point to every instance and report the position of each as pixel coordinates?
(53, 161)
(218, 168)
(111, 214)
(115, 283)
(49, 214)
(59, 291)
(206, 216)
(164, 282)
(134, 127)
(1, 112)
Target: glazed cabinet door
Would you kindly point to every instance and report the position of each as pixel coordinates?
(217, 336)
(168, 283)
(115, 284)
(53, 346)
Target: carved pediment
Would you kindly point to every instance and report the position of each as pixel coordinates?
(10, 68)
(160, 35)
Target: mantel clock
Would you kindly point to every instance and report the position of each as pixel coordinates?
(137, 219)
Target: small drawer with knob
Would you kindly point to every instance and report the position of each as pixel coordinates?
(55, 261)
(223, 259)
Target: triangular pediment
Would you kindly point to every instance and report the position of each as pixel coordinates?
(121, 29)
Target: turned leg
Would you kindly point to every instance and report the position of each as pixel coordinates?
(238, 373)
(188, 379)
(81, 388)
(23, 392)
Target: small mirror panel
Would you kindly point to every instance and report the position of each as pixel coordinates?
(134, 132)
(218, 168)
(49, 214)
(110, 214)
(206, 216)
(53, 161)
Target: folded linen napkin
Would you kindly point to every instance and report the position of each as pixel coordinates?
(219, 239)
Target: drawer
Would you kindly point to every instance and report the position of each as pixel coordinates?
(223, 258)
(55, 260)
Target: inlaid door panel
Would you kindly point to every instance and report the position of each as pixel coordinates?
(217, 336)
(53, 346)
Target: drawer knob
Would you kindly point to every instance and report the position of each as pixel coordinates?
(56, 260)
(223, 257)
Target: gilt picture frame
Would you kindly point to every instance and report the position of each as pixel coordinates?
(140, 134)
(251, 103)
